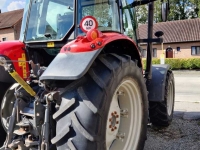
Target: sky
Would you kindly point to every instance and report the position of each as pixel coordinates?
(9, 5)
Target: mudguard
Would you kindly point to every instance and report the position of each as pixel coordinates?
(76, 57)
(69, 66)
(156, 86)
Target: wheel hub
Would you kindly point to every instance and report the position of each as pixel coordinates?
(124, 117)
(114, 121)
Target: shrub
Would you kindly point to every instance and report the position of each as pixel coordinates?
(178, 63)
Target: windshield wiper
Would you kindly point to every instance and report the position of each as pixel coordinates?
(70, 8)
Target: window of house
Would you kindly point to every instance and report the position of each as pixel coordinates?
(178, 49)
(195, 50)
(144, 53)
(154, 52)
(4, 39)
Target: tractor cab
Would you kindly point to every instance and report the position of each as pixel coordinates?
(47, 20)
(58, 20)
(49, 24)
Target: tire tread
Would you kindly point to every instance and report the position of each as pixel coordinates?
(86, 100)
(81, 129)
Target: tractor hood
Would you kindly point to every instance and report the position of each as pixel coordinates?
(13, 51)
(8, 47)
(70, 66)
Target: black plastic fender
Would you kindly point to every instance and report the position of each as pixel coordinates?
(156, 86)
(70, 66)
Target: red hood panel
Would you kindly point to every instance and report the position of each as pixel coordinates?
(10, 46)
(15, 50)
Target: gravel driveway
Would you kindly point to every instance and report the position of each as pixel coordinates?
(180, 135)
(184, 132)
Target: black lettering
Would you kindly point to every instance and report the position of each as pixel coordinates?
(88, 23)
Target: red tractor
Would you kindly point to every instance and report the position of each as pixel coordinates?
(85, 86)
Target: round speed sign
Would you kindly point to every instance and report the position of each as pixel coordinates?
(88, 23)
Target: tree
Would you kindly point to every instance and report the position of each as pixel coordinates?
(157, 11)
(184, 9)
(177, 10)
(195, 7)
(142, 14)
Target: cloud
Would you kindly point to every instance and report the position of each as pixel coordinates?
(16, 5)
(2, 3)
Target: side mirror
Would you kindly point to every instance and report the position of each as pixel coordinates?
(164, 11)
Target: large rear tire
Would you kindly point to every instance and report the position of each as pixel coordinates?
(107, 109)
(3, 88)
(161, 113)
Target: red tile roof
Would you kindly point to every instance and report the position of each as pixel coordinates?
(175, 31)
(9, 19)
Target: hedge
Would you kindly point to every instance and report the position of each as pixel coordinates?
(178, 63)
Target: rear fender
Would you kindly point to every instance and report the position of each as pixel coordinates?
(76, 57)
(69, 66)
(156, 86)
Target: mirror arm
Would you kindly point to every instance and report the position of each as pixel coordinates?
(142, 2)
(138, 3)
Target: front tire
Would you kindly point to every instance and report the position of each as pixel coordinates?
(3, 88)
(105, 107)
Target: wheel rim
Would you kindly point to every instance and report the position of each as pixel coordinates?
(125, 116)
(170, 98)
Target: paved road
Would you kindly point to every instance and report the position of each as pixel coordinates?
(187, 96)
(187, 84)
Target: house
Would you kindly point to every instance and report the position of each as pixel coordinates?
(10, 25)
(181, 38)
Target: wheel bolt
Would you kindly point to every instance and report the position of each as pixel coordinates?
(110, 126)
(112, 129)
(115, 127)
(117, 122)
(110, 120)
(112, 114)
(115, 112)
(117, 116)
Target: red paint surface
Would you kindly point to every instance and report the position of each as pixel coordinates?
(14, 50)
(82, 44)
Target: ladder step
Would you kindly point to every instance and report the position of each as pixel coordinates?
(29, 143)
(21, 131)
(23, 124)
(28, 112)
